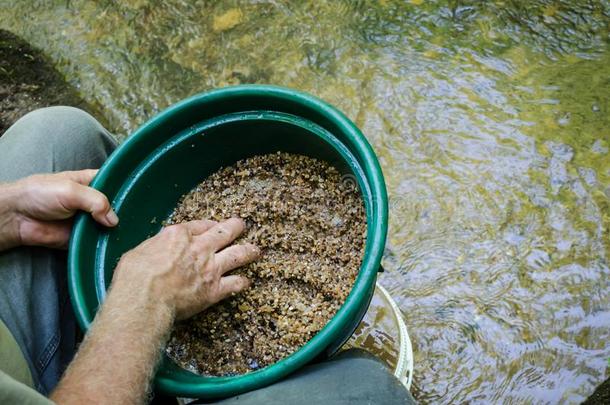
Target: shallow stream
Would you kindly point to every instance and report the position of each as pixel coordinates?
(491, 120)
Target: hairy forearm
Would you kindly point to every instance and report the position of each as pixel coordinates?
(10, 193)
(174, 274)
(117, 358)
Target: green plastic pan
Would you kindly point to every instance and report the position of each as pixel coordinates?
(173, 152)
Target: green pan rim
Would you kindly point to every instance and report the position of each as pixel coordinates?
(200, 130)
(377, 224)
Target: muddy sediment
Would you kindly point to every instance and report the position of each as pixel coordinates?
(29, 81)
(311, 228)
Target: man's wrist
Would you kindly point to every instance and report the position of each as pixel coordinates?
(140, 308)
(120, 350)
(143, 289)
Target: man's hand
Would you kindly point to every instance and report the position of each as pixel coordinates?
(37, 210)
(172, 275)
(183, 265)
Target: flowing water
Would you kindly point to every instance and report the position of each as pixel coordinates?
(491, 120)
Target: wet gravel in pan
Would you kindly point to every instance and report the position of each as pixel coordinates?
(310, 224)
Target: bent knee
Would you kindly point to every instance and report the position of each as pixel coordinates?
(61, 126)
(57, 139)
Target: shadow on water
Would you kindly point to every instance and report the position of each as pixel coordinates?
(490, 119)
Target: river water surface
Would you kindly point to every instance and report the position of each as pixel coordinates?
(491, 120)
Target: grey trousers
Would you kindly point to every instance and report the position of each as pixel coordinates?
(34, 301)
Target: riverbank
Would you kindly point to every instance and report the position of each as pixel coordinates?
(29, 81)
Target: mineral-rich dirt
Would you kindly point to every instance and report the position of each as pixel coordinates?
(29, 81)
(310, 224)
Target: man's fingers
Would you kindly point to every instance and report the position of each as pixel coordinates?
(53, 234)
(83, 177)
(85, 198)
(194, 228)
(236, 256)
(200, 226)
(223, 233)
(81, 197)
(230, 285)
